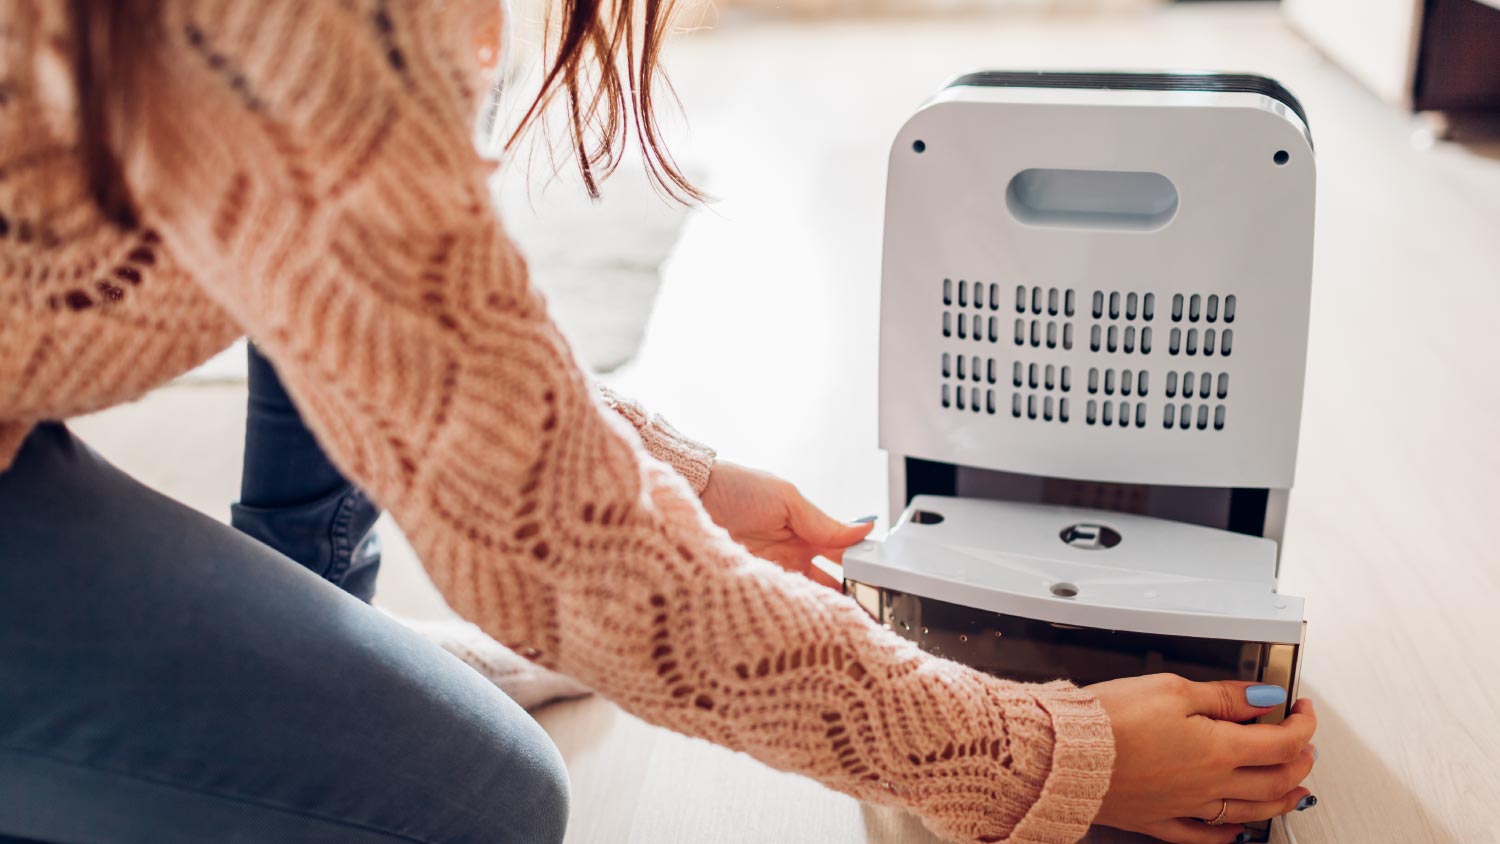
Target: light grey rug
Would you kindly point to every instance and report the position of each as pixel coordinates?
(599, 263)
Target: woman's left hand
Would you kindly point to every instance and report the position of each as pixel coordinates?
(773, 521)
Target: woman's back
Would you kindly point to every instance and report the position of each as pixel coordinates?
(90, 314)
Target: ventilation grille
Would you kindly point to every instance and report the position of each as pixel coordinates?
(1113, 339)
(1120, 319)
(1124, 382)
(1187, 416)
(1116, 397)
(1043, 314)
(1044, 407)
(1195, 308)
(1214, 341)
(1215, 337)
(968, 382)
(1055, 301)
(1201, 385)
(1127, 306)
(975, 327)
(1040, 391)
(969, 310)
(1122, 414)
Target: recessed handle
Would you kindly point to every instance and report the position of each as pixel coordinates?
(1093, 199)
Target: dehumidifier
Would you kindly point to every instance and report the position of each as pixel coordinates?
(1093, 331)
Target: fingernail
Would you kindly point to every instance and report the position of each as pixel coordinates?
(1242, 838)
(1307, 803)
(1315, 754)
(864, 520)
(1265, 695)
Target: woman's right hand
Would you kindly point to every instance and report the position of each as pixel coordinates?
(1180, 753)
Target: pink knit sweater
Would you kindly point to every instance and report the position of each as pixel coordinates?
(306, 176)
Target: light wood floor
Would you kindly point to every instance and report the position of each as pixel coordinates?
(763, 343)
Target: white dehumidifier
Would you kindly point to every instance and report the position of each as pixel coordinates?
(1094, 312)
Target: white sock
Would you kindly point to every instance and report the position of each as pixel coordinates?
(527, 683)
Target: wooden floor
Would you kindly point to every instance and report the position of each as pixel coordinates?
(763, 343)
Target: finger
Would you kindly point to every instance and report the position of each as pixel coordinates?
(1271, 781)
(1188, 831)
(1245, 811)
(817, 573)
(821, 530)
(1274, 744)
(1234, 700)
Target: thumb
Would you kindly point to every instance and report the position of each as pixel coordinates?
(821, 530)
(1233, 700)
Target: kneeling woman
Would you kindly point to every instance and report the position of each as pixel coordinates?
(175, 174)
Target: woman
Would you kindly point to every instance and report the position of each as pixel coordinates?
(175, 174)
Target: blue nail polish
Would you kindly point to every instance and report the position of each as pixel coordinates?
(1307, 803)
(1315, 754)
(864, 520)
(1242, 838)
(1265, 695)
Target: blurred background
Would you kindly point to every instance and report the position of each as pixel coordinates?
(751, 324)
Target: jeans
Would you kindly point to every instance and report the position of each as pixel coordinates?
(294, 500)
(165, 679)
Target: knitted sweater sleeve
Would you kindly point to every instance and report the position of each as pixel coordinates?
(315, 168)
(691, 459)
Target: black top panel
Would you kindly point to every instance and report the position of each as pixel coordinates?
(1245, 83)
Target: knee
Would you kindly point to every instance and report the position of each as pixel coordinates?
(548, 799)
(527, 791)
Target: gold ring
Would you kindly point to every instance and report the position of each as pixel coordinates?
(1219, 821)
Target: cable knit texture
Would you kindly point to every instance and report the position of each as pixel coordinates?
(306, 176)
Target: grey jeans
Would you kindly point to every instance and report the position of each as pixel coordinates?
(165, 679)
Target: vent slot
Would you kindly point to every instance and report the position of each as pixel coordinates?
(1040, 323)
(973, 368)
(976, 294)
(968, 398)
(1124, 382)
(1127, 304)
(1052, 301)
(971, 326)
(1039, 333)
(1039, 389)
(1208, 341)
(1040, 406)
(1201, 385)
(1115, 414)
(1210, 308)
(1188, 416)
(968, 382)
(966, 302)
(1127, 307)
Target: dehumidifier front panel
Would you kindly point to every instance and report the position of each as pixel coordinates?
(1100, 285)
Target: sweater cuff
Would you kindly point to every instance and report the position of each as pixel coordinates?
(1083, 758)
(691, 459)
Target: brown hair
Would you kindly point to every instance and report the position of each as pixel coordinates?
(607, 99)
(98, 32)
(590, 44)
